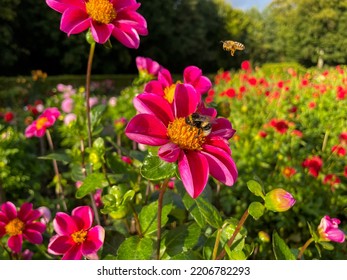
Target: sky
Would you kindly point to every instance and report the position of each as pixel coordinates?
(247, 4)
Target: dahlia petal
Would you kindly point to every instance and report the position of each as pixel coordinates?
(74, 21)
(63, 224)
(74, 253)
(9, 209)
(154, 87)
(127, 35)
(59, 245)
(147, 129)
(134, 20)
(152, 104)
(101, 32)
(40, 132)
(37, 226)
(30, 130)
(2, 229)
(193, 75)
(94, 241)
(336, 235)
(15, 243)
(219, 142)
(193, 168)
(222, 127)
(186, 100)
(83, 217)
(32, 236)
(128, 4)
(61, 5)
(221, 165)
(32, 216)
(165, 78)
(169, 152)
(24, 211)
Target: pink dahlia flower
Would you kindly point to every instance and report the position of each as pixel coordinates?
(76, 238)
(197, 153)
(20, 225)
(147, 66)
(104, 18)
(165, 86)
(328, 230)
(38, 127)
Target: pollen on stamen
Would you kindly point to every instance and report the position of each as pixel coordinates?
(101, 11)
(15, 227)
(187, 137)
(79, 236)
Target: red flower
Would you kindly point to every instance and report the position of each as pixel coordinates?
(246, 65)
(280, 126)
(9, 116)
(313, 164)
(160, 123)
(343, 138)
(340, 151)
(289, 172)
(76, 237)
(20, 225)
(331, 179)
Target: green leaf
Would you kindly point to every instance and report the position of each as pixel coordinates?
(256, 210)
(209, 212)
(181, 239)
(194, 211)
(327, 245)
(148, 217)
(58, 157)
(155, 169)
(255, 188)
(136, 248)
(280, 248)
(90, 184)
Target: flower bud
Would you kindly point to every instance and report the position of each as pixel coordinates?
(279, 200)
(328, 230)
(263, 236)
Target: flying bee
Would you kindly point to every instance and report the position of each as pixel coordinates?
(232, 46)
(202, 122)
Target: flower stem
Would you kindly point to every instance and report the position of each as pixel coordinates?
(216, 244)
(89, 123)
(88, 79)
(232, 238)
(56, 170)
(303, 248)
(160, 208)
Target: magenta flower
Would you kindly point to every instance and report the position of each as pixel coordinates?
(165, 86)
(38, 127)
(328, 230)
(198, 154)
(104, 18)
(20, 225)
(76, 238)
(147, 66)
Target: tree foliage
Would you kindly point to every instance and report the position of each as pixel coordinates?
(181, 33)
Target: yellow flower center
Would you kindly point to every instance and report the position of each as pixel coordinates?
(79, 236)
(14, 227)
(186, 136)
(102, 11)
(41, 122)
(169, 93)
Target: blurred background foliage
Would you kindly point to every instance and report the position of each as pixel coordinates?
(181, 33)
